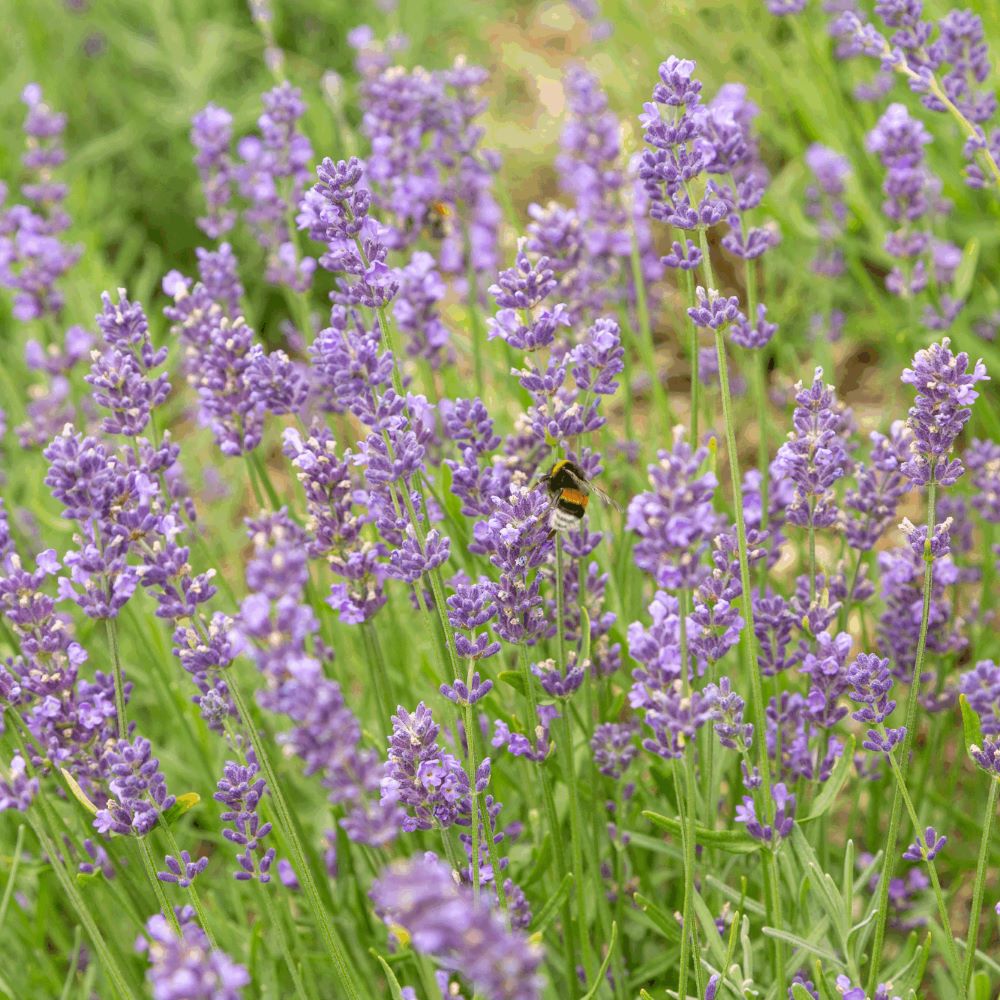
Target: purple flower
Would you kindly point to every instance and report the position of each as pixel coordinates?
(465, 936)
(987, 756)
(880, 487)
(462, 695)
(613, 746)
(815, 455)
(335, 211)
(825, 206)
(240, 791)
(185, 966)
(727, 714)
(139, 789)
(826, 668)
(713, 310)
(211, 135)
(557, 682)
(756, 336)
(784, 815)
(17, 790)
(674, 520)
(945, 393)
(417, 313)
(184, 871)
(871, 681)
(469, 608)
(519, 291)
(925, 848)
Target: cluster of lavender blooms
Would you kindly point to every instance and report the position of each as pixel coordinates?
(268, 173)
(443, 919)
(183, 964)
(33, 257)
(497, 581)
(949, 71)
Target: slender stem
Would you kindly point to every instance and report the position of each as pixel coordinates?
(931, 867)
(116, 662)
(751, 665)
(142, 845)
(192, 891)
(647, 349)
(576, 839)
(491, 848)
(685, 805)
(693, 351)
(472, 305)
(321, 914)
(982, 866)
(283, 943)
(470, 742)
(560, 602)
(379, 672)
(889, 860)
(108, 960)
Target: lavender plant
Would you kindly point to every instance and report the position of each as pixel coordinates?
(509, 577)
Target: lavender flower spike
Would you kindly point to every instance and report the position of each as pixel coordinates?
(444, 920)
(945, 393)
(185, 966)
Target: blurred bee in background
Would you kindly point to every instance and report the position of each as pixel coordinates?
(569, 493)
(438, 220)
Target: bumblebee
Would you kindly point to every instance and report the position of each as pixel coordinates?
(438, 220)
(570, 490)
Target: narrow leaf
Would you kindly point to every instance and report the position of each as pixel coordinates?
(548, 911)
(185, 803)
(833, 785)
(663, 920)
(971, 726)
(395, 990)
(731, 841)
(78, 793)
(514, 679)
(599, 978)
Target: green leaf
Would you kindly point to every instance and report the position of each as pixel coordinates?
(514, 679)
(543, 861)
(833, 785)
(599, 978)
(584, 636)
(184, 803)
(801, 943)
(730, 841)
(548, 911)
(667, 924)
(799, 992)
(395, 990)
(966, 270)
(980, 986)
(971, 725)
(78, 793)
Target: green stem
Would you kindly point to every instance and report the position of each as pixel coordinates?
(161, 897)
(982, 865)
(931, 867)
(379, 672)
(108, 960)
(647, 349)
(470, 741)
(889, 860)
(116, 662)
(192, 891)
(321, 914)
(751, 665)
(576, 840)
(688, 935)
(560, 601)
(283, 943)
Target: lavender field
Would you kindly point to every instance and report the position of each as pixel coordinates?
(499, 501)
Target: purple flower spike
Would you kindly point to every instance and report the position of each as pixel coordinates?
(815, 455)
(945, 393)
(182, 872)
(462, 695)
(240, 790)
(925, 848)
(185, 966)
(987, 756)
(784, 815)
(713, 310)
(465, 936)
(613, 746)
(871, 681)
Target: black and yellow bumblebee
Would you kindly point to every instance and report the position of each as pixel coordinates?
(569, 492)
(438, 220)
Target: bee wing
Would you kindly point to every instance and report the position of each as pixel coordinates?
(610, 501)
(589, 487)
